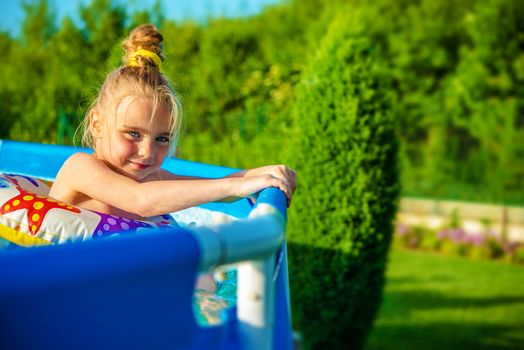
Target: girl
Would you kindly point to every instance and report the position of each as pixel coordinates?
(131, 126)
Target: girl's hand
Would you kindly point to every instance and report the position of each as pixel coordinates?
(280, 176)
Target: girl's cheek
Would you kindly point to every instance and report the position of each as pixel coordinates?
(164, 152)
(125, 148)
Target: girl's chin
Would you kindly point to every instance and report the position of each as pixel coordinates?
(133, 173)
(138, 174)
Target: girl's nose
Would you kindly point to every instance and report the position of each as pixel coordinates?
(145, 150)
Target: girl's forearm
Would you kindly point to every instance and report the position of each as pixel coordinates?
(160, 197)
(240, 173)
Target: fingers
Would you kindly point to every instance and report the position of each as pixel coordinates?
(279, 176)
(279, 171)
(291, 183)
(285, 186)
(288, 178)
(291, 175)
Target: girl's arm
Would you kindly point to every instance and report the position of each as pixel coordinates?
(83, 173)
(279, 171)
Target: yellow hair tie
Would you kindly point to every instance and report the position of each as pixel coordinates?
(145, 53)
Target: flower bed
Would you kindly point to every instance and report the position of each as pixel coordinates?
(457, 241)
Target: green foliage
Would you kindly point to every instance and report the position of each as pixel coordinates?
(341, 221)
(38, 26)
(51, 70)
(238, 88)
(417, 237)
(455, 68)
(229, 49)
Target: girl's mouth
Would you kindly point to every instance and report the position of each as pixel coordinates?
(141, 166)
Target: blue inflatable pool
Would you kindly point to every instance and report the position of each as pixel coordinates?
(135, 292)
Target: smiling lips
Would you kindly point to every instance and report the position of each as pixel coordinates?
(141, 166)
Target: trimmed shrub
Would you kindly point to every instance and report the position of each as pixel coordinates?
(345, 153)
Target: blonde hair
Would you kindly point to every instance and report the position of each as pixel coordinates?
(140, 75)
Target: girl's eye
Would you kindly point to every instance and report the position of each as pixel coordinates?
(163, 139)
(133, 134)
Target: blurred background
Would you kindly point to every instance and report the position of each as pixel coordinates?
(452, 71)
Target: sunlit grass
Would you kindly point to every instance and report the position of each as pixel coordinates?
(442, 302)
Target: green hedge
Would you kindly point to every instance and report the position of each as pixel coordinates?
(340, 224)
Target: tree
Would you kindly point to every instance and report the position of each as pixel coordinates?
(345, 154)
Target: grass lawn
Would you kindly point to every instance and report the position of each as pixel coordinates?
(440, 302)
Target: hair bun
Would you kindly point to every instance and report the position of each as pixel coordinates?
(145, 37)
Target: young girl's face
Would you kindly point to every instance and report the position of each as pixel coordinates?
(132, 145)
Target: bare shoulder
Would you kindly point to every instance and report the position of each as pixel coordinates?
(78, 162)
(75, 167)
(64, 186)
(80, 158)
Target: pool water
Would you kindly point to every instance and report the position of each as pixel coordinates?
(210, 308)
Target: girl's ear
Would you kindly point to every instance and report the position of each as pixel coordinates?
(95, 124)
